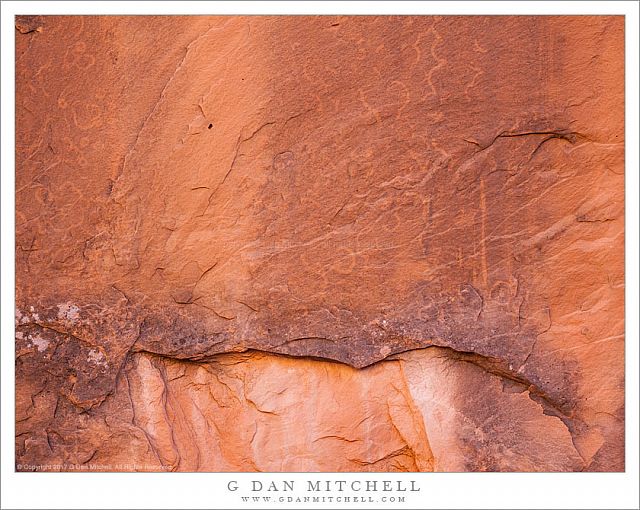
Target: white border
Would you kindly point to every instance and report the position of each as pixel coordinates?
(322, 7)
(473, 490)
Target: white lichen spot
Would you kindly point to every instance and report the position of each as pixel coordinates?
(68, 311)
(19, 335)
(40, 343)
(384, 351)
(96, 357)
(36, 317)
(20, 317)
(32, 309)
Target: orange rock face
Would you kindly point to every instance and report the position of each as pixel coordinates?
(320, 243)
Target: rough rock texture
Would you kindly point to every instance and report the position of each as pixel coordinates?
(320, 243)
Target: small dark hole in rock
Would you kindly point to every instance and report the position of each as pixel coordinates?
(210, 126)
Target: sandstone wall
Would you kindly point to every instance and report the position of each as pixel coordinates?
(320, 243)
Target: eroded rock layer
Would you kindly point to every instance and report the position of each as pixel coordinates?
(320, 243)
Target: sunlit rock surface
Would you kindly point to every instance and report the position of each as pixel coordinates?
(320, 243)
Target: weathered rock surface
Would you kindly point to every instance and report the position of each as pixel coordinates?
(320, 243)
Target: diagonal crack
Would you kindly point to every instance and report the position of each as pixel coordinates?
(159, 101)
(564, 134)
